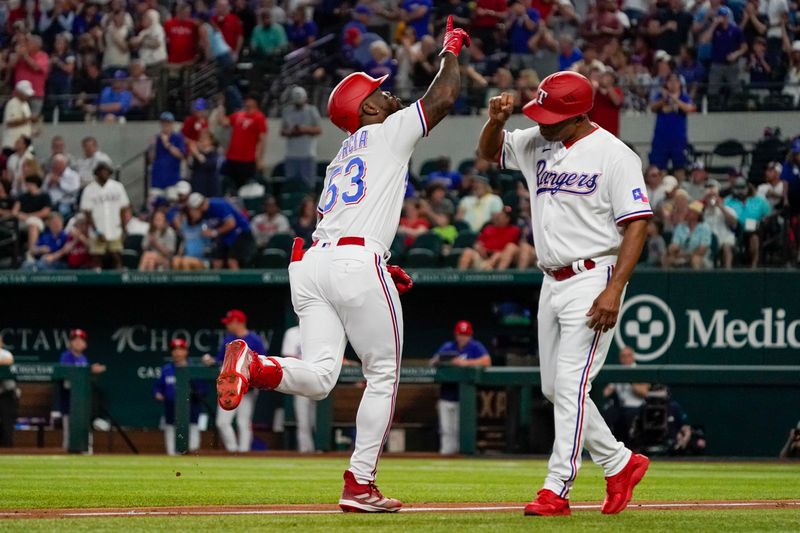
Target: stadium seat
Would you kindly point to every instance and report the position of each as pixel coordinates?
(733, 151)
(506, 183)
(421, 258)
(429, 241)
(254, 205)
(295, 185)
(133, 242)
(777, 102)
(398, 247)
(461, 226)
(281, 241)
(464, 240)
(272, 258)
(290, 201)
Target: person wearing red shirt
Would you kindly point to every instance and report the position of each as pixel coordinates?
(488, 14)
(231, 27)
(182, 37)
(412, 224)
(197, 122)
(608, 99)
(248, 135)
(497, 245)
(32, 64)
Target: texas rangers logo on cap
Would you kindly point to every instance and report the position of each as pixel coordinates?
(541, 95)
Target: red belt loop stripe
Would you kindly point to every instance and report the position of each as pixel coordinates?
(344, 241)
(560, 274)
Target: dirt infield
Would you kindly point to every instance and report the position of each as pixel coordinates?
(410, 508)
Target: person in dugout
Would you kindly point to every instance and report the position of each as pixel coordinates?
(164, 392)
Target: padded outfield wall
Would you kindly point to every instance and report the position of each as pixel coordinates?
(725, 318)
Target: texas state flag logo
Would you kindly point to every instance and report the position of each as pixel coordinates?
(639, 196)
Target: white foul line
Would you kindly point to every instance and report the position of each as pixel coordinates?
(213, 512)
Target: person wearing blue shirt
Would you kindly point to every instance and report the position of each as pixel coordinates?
(361, 15)
(74, 356)
(301, 32)
(750, 210)
(727, 46)
(568, 53)
(671, 136)
(462, 351)
(523, 24)
(445, 175)
(691, 241)
(417, 14)
(167, 151)
(116, 100)
(164, 392)
(235, 321)
(47, 252)
(229, 227)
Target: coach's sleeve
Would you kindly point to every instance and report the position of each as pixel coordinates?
(627, 190)
(515, 145)
(404, 129)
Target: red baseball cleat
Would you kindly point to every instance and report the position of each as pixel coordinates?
(358, 498)
(241, 370)
(548, 503)
(619, 488)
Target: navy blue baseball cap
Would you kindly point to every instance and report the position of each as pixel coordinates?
(120, 75)
(166, 116)
(200, 104)
(724, 11)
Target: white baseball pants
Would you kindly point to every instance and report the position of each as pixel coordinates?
(169, 438)
(343, 293)
(449, 412)
(305, 414)
(571, 355)
(244, 424)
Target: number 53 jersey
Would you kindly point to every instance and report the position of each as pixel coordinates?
(366, 182)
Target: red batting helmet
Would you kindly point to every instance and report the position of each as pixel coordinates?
(463, 327)
(561, 95)
(345, 100)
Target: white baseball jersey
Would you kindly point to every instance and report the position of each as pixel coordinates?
(580, 193)
(366, 182)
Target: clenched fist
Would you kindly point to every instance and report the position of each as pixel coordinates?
(501, 107)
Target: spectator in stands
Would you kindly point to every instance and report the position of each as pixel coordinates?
(160, 244)
(88, 84)
(497, 246)
(7, 201)
(477, 209)
(522, 22)
(670, 27)
(142, 91)
(698, 178)
(18, 119)
(720, 218)
(116, 52)
(164, 392)
(46, 253)
(31, 209)
(103, 201)
(444, 174)
(776, 14)
(437, 207)
(197, 122)
(74, 356)
(30, 63)
(759, 67)
(301, 125)
(269, 38)
(792, 447)
(269, 223)
(382, 64)
(182, 36)
(204, 164)
(78, 241)
(151, 42)
(750, 210)
(15, 173)
(214, 47)
(773, 187)
(412, 223)
(608, 100)
(655, 246)
(656, 189)
(568, 53)
(115, 100)
(58, 146)
(791, 85)
(465, 351)
(602, 24)
(62, 68)
(246, 14)
(235, 322)
(624, 400)
(191, 253)
(670, 139)
(417, 14)
(306, 221)
(727, 46)
(691, 241)
(92, 155)
(356, 48)
(488, 16)
(674, 209)
(691, 70)
(62, 184)
(9, 401)
(301, 32)
(231, 27)
(166, 151)
(234, 247)
(589, 61)
(55, 21)
(248, 137)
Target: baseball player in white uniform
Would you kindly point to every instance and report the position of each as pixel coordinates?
(305, 409)
(342, 288)
(589, 209)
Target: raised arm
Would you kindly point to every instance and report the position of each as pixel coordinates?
(444, 89)
(491, 139)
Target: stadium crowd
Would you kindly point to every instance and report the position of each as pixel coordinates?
(212, 204)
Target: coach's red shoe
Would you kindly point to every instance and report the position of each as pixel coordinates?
(548, 503)
(241, 370)
(619, 488)
(358, 498)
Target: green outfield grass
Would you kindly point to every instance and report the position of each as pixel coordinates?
(44, 482)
